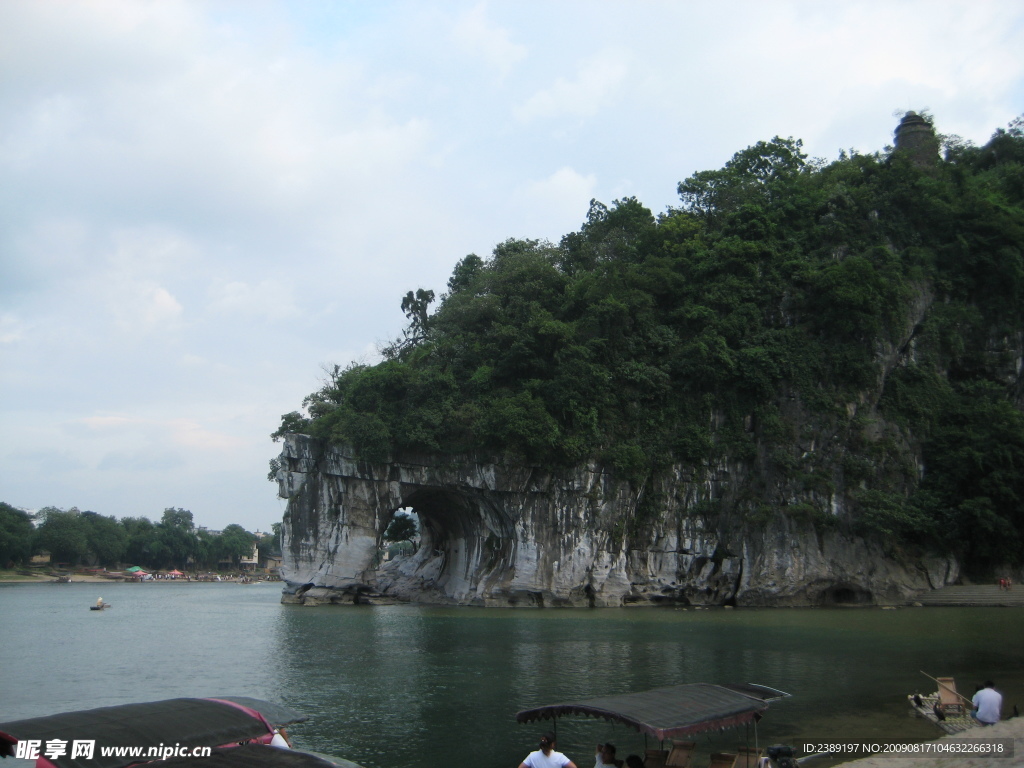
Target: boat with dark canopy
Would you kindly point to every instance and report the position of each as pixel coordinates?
(255, 756)
(671, 712)
(225, 724)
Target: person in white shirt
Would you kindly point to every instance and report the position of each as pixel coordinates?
(605, 756)
(546, 756)
(988, 704)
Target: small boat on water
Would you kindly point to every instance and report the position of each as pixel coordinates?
(100, 605)
(222, 732)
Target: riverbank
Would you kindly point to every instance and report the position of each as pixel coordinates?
(49, 579)
(1008, 729)
(13, 577)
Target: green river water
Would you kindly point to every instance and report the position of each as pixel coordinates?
(426, 687)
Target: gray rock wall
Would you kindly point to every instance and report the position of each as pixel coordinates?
(513, 535)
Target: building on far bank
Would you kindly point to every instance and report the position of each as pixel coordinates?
(272, 564)
(250, 561)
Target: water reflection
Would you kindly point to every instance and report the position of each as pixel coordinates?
(404, 686)
(415, 687)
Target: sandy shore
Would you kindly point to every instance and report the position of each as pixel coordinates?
(1008, 729)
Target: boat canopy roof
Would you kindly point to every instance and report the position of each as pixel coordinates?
(189, 722)
(276, 714)
(255, 756)
(671, 712)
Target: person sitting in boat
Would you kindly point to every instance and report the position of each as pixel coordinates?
(546, 756)
(99, 602)
(606, 756)
(988, 704)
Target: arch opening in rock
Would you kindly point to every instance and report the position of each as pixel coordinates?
(464, 545)
(401, 534)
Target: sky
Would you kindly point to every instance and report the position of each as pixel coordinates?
(204, 204)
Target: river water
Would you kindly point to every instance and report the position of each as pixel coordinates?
(426, 687)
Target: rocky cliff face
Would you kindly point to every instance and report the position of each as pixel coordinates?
(496, 534)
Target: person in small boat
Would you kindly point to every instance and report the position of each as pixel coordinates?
(988, 704)
(606, 756)
(546, 756)
(99, 602)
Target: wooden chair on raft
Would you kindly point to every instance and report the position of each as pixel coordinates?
(950, 703)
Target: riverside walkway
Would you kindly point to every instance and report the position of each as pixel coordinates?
(975, 595)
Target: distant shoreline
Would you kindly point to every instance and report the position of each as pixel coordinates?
(80, 578)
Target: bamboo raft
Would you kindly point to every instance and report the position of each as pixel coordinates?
(951, 722)
(946, 707)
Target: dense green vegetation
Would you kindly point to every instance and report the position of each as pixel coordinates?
(74, 537)
(848, 329)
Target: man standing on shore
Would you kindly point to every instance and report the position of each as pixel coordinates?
(988, 704)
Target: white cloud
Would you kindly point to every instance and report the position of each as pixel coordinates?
(47, 462)
(267, 299)
(194, 435)
(142, 306)
(12, 328)
(475, 34)
(149, 251)
(598, 80)
(147, 459)
(563, 196)
(104, 423)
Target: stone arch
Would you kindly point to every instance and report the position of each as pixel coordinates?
(466, 543)
(503, 533)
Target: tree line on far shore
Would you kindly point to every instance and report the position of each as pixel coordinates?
(76, 538)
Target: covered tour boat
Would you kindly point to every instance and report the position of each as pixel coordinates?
(237, 730)
(676, 712)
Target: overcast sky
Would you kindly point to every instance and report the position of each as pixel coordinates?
(204, 203)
